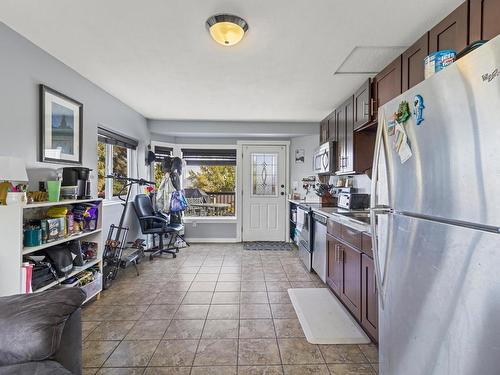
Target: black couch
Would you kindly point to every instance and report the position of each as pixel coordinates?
(41, 333)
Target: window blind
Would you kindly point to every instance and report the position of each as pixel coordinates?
(161, 153)
(112, 138)
(209, 156)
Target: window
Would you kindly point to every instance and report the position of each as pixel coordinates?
(114, 154)
(264, 174)
(209, 180)
(161, 153)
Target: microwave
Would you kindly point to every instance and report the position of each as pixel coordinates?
(324, 159)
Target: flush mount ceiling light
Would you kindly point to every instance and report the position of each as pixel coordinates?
(227, 29)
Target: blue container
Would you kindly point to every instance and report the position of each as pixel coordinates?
(32, 237)
(438, 61)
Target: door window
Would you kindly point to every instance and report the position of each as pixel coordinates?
(264, 174)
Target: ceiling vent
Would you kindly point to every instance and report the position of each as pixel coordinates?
(369, 60)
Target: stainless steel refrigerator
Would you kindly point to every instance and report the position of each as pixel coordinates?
(436, 220)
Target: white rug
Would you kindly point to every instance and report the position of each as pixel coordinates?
(324, 319)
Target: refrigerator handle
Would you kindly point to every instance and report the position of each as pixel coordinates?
(379, 147)
(376, 258)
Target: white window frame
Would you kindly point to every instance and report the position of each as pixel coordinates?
(177, 151)
(108, 169)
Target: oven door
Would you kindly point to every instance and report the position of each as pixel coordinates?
(304, 225)
(305, 256)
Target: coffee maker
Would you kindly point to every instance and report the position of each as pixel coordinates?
(78, 178)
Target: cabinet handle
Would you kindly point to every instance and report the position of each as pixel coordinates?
(336, 253)
(372, 106)
(375, 284)
(366, 109)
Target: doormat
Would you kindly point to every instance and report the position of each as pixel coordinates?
(324, 319)
(268, 245)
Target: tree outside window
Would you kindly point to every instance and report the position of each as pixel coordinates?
(210, 181)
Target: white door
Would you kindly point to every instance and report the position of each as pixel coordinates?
(264, 193)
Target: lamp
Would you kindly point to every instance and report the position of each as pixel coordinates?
(227, 29)
(12, 169)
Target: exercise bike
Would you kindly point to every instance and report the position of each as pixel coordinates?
(116, 252)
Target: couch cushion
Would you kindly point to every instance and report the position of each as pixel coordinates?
(35, 368)
(31, 324)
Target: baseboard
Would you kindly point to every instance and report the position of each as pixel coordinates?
(212, 240)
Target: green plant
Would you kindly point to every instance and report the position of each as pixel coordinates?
(214, 178)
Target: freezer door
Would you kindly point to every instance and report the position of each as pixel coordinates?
(454, 172)
(442, 304)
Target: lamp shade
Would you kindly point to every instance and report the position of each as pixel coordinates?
(12, 169)
(227, 29)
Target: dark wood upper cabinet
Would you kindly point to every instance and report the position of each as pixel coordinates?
(332, 127)
(413, 62)
(369, 297)
(452, 32)
(323, 131)
(484, 19)
(362, 105)
(387, 84)
(340, 116)
(349, 135)
(351, 279)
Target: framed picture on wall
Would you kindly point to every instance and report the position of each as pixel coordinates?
(300, 156)
(61, 127)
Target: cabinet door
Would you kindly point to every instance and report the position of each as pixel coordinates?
(413, 62)
(450, 33)
(351, 280)
(349, 135)
(484, 21)
(341, 136)
(387, 83)
(323, 131)
(332, 127)
(334, 275)
(369, 300)
(362, 115)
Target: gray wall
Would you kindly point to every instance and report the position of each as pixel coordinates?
(23, 67)
(309, 144)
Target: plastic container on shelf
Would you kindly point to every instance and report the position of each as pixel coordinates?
(438, 61)
(93, 287)
(54, 188)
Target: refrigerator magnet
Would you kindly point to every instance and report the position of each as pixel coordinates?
(418, 109)
(390, 127)
(403, 113)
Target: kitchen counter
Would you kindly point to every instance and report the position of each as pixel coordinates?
(356, 219)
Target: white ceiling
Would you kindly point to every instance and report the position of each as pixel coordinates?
(157, 56)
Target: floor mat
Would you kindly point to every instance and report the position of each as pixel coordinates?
(269, 245)
(324, 319)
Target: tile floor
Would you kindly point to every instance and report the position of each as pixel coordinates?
(214, 310)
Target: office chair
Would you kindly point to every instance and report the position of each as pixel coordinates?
(156, 225)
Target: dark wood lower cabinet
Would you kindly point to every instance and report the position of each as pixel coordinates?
(334, 276)
(351, 279)
(351, 275)
(369, 297)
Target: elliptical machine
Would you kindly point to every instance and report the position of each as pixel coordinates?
(116, 254)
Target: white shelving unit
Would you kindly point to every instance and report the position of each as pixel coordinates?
(12, 249)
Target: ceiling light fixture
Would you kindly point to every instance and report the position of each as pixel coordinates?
(227, 29)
